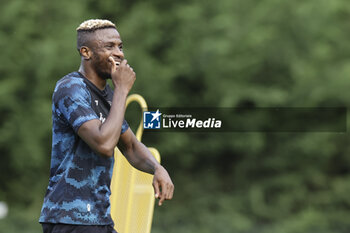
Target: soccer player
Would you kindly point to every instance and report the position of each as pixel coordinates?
(88, 122)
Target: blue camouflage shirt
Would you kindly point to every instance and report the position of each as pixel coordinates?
(79, 184)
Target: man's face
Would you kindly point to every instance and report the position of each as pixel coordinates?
(106, 43)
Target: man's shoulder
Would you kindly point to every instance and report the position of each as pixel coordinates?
(71, 80)
(72, 85)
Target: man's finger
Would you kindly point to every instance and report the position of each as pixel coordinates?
(114, 66)
(124, 62)
(170, 192)
(163, 194)
(156, 189)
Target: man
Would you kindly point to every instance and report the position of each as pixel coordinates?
(88, 122)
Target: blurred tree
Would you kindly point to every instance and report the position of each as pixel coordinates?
(224, 53)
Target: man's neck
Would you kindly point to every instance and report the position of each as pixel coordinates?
(93, 77)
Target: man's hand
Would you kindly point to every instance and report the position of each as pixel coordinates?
(123, 76)
(140, 157)
(162, 184)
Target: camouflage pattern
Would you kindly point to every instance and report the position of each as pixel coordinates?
(79, 184)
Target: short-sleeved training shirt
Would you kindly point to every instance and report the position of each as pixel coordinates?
(79, 184)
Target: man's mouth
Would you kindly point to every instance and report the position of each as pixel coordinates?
(116, 62)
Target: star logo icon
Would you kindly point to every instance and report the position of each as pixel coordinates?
(156, 115)
(151, 120)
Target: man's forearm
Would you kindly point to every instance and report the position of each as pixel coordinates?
(123, 78)
(111, 128)
(141, 158)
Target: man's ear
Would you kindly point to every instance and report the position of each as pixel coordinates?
(85, 52)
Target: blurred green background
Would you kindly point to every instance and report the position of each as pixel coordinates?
(223, 53)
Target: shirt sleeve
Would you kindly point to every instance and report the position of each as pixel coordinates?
(125, 126)
(73, 101)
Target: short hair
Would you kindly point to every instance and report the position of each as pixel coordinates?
(93, 24)
(87, 27)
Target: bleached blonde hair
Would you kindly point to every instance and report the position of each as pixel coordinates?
(86, 30)
(93, 24)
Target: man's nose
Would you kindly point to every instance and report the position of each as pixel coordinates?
(118, 53)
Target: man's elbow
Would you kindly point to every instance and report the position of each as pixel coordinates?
(106, 150)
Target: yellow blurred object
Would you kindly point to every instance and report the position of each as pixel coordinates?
(132, 199)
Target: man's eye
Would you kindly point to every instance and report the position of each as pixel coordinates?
(121, 48)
